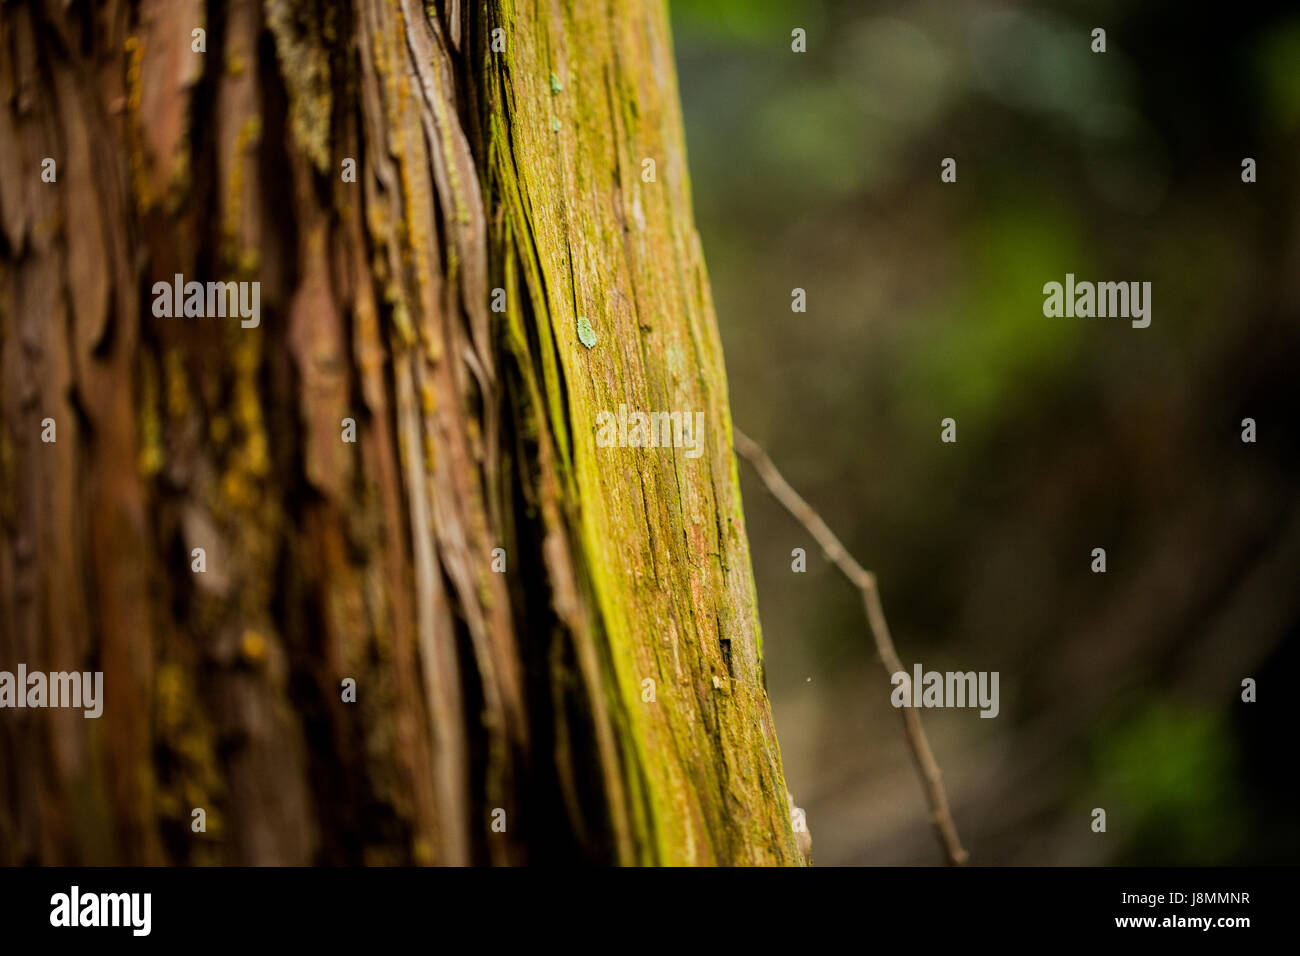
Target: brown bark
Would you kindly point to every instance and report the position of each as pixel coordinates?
(477, 169)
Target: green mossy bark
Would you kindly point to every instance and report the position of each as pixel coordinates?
(658, 537)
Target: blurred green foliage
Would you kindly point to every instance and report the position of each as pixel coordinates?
(1167, 775)
(821, 171)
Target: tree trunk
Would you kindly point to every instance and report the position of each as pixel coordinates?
(498, 717)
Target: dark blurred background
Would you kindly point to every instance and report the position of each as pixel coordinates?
(1120, 690)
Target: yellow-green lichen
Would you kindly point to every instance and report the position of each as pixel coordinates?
(151, 452)
(304, 64)
(250, 134)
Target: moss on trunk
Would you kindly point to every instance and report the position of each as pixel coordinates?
(520, 169)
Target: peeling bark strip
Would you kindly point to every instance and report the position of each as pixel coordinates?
(326, 560)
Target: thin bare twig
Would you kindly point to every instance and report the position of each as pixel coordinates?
(865, 581)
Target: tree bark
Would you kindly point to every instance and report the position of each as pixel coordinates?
(499, 717)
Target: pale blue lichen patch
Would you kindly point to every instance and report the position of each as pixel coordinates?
(586, 334)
